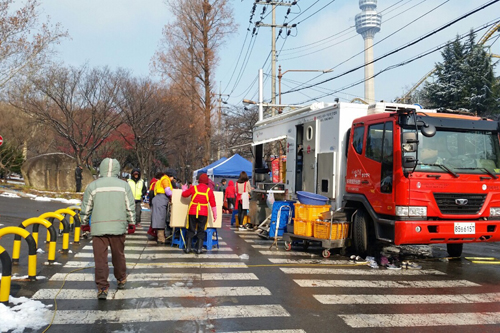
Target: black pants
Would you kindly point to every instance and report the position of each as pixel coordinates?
(230, 203)
(138, 211)
(197, 227)
(78, 185)
(241, 213)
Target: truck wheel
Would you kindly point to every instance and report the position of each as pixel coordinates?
(455, 250)
(305, 246)
(360, 232)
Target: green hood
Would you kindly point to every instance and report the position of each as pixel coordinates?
(109, 168)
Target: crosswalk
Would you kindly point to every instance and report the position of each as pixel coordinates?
(219, 291)
(381, 298)
(165, 287)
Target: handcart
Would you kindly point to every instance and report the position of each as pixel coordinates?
(331, 234)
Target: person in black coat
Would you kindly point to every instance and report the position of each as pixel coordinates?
(78, 178)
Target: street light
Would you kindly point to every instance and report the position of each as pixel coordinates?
(280, 75)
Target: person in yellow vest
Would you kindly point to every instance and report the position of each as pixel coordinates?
(163, 194)
(201, 198)
(139, 190)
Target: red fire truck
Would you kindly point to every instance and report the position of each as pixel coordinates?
(402, 175)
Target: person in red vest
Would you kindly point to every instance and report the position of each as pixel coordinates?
(201, 198)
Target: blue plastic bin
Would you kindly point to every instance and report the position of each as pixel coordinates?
(308, 198)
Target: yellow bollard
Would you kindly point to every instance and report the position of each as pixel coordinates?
(6, 276)
(51, 216)
(36, 221)
(31, 247)
(65, 242)
(77, 223)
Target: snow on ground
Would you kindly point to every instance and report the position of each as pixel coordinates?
(9, 195)
(25, 313)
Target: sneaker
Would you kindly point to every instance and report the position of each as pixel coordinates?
(413, 265)
(121, 283)
(392, 266)
(242, 228)
(103, 293)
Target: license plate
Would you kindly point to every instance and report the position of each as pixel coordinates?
(465, 228)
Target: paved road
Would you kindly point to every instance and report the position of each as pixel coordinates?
(273, 290)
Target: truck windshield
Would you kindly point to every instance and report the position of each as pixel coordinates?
(459, 152)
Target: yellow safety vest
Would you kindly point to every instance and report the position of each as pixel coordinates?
(159, 188)
(199, 205)
(136, 188)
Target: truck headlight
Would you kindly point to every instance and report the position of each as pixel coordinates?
(412, 211)
(495, 211)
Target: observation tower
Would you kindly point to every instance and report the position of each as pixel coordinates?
(368, 23)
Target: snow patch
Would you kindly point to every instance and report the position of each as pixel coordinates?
(42, 199)
(9, 195)
(24, 314)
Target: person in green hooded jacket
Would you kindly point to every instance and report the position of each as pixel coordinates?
(111, 203)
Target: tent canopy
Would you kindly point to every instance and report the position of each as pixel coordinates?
(198, 172)
(232, 167)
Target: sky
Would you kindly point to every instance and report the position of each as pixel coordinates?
(126, 33)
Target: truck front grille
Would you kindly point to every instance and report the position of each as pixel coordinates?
(459, 203)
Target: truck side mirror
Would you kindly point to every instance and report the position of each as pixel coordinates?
(409, 162)
(410, 142)
(428, 130)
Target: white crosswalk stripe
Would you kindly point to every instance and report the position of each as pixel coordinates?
(421, 320)
(160, 277)
(360, 271)
(409, 299)
(157, 292)
(158, 249)
(385, 284)
(159, 314)
(155, 256)
(205, 264)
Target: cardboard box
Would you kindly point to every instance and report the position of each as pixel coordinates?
(180, 205)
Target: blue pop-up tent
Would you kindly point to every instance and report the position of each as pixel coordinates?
(198, 172)
(231, 168)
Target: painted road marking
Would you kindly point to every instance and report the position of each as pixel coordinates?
(385, 284)
(74, 317)
(269, 331)
(409, 299)
(428, 319)
(289, 253)
(250, 236)
(147, 242)
(132, 265)
(160, 277)
(360, 271)
(166, 292)
(154, 256)
(155, 248)
(311, 261)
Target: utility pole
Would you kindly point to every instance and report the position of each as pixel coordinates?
(273, 26)
(219, 120)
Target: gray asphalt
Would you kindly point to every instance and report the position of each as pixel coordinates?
(305, 312)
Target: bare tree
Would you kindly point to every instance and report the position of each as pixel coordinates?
(25, 43)
(187, 54)
(147, 109)
(78, 104)
(239, 123)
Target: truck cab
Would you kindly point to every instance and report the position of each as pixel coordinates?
(421, 177)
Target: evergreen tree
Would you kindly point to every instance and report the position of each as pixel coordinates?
(464, 79)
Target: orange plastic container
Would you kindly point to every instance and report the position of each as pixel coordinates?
(321, 229)
(303, 228)
(310, 212)
(339, 230)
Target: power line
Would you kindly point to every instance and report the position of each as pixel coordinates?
(410, 60)
(418, 40)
